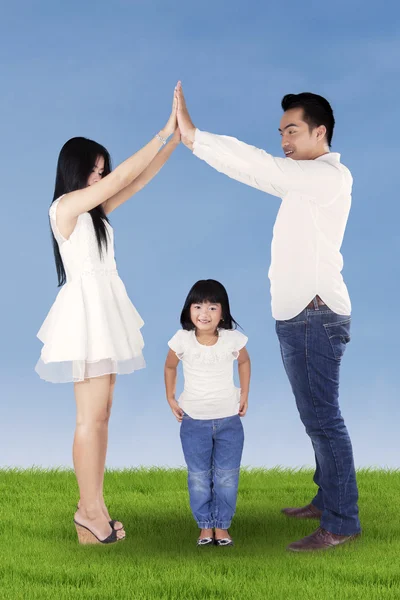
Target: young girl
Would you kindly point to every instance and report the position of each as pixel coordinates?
(210, 407)
(93, 330)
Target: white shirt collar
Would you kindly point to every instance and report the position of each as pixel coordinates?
(329, 157)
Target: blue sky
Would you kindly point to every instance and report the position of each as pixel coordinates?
(107, 71)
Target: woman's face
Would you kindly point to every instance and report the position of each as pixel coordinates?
(97, 171)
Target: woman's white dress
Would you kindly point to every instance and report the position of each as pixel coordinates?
(92, 328)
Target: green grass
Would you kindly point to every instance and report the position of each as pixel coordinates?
(40, 557)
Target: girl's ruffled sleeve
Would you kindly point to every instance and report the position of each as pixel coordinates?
(177, 343)
(239, 340)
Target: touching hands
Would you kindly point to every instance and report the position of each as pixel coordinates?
(172, 123)
(177, 136)
(179, 124)
(185, 123)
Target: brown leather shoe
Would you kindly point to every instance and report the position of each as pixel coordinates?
(305, 512)
(320, 540)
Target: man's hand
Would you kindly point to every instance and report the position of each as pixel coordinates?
(185, 123)
(176, 409)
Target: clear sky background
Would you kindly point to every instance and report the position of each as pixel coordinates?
(106, 70)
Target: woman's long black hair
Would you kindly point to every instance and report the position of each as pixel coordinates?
(77, 158)
(208, 290)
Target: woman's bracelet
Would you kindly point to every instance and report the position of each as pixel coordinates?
(161, 139)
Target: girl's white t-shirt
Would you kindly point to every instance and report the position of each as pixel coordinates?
(209, 390)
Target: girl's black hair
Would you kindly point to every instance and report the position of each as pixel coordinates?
(208, 290)
(77, 158)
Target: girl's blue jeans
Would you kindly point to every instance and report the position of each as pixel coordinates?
(213, 451)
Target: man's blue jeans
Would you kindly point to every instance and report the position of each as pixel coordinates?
(213, 451)
(312, 345)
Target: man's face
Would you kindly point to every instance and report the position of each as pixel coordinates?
(298, 142)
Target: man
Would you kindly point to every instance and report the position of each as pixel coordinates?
(310, 301)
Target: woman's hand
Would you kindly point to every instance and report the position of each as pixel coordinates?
(172, 122)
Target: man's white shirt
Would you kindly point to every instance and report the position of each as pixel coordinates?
(310, 225)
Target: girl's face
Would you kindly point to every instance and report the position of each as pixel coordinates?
(206, 316)
(97, 171)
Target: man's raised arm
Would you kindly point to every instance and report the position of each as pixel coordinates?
(255, 167)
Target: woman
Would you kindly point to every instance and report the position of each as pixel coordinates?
(92, 332)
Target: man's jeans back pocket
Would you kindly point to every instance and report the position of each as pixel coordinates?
(339, 336)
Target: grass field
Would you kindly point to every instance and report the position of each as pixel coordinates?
(40, 557)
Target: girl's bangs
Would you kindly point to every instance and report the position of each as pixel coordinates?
(206, 292)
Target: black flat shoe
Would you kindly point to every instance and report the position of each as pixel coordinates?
(223, 542)
(207, 541)
(86, 536)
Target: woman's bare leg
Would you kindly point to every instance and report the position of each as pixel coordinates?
(92, 401)
(117, 524)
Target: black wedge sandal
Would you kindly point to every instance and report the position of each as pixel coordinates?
(86, 536)
(112, 522)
